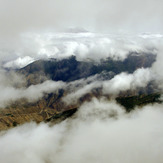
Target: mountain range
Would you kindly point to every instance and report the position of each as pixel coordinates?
(51, 107)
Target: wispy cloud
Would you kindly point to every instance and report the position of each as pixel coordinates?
(99, 132)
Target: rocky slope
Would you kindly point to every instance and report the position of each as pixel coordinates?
(70, 69)
(51, 106)
(46, 110)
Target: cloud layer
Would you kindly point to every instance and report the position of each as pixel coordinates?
(11, 89)
(85, 46)
(100, 132)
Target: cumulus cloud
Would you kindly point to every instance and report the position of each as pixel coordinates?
(88, 45)
(124, 81)
(20, 17)
(32, 93)
(158, 66)
(85, 46)
(100, 132)
(119, 83)
(19, 62)
(74, 96)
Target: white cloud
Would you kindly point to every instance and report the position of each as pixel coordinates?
(32, 93)
(85, 46)
(121, 82)
(91, 45)
(124, 81)
(19, 62)
(100, 132)
(157, 67)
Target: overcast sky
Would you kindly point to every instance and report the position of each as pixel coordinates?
(140, 133)
(17, 16)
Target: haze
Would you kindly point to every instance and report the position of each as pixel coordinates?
(136, 16)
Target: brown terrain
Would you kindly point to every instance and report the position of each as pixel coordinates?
(52, 108)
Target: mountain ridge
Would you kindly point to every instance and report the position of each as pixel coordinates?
(51, 106)
(70, 69)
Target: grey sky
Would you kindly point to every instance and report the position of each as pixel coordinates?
(17, 16)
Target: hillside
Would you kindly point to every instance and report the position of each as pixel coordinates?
(51, 106)
(70, 69)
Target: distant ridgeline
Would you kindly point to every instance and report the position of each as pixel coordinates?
(51, 106)
(70, 69)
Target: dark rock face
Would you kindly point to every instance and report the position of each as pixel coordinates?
(70, 69)
(130, 102)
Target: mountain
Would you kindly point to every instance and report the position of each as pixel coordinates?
(51, 106)
(70, 69)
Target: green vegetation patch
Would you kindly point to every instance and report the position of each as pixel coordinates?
(130, 102)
